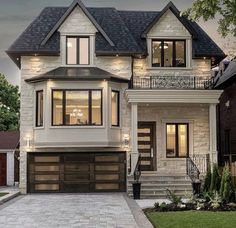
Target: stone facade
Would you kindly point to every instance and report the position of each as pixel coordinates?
(197, 116)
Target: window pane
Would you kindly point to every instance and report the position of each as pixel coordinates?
(57, 108)
(115, 108)
(183, 139)
(168, 53)
(39, 116)
(180, 53)
(77, 107)
(171, 140)
(71, 50)
(156, 53)
(84, 51)
(96, 107)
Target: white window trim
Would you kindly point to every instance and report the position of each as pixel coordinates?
(188, 53)
(163, 137)
(91, 45)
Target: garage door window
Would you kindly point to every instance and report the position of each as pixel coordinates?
(76, 107)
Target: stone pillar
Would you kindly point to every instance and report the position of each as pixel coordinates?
(134, 136)
(213, 134)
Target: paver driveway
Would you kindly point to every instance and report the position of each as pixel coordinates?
(67, 210)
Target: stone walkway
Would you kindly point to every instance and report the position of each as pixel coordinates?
(67, 210)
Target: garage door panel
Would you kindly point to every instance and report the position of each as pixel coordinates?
(77, 172)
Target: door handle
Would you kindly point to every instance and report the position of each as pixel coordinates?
(151, 152)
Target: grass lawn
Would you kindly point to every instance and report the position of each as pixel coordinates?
(3, 194)
(193, 219)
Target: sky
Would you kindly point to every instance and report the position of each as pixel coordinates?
(16, 15)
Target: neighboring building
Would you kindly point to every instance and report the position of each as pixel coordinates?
(100, 86)
(9, 154)
(226, 80)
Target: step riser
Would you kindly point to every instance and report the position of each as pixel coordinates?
(155, 187)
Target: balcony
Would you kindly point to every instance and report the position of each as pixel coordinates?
(172, 83)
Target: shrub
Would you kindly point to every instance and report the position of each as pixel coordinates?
(215, 179)
(173, 198)
(207, 180)
(227, 191)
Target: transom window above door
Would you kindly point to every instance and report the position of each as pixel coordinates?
(168, 53)
(77, 50)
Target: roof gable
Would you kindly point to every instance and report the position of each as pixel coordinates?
(168, 26)
(68, 12)
(170, 6)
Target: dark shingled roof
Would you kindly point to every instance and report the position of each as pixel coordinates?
(228, 76)
(124, 29)
(77, 73)
(9, 140)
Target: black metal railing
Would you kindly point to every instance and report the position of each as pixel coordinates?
(201, 161)
(171, 82)
(137, 170)
(192, 170)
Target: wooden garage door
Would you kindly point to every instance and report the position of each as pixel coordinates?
(77, 172)
(3, 169)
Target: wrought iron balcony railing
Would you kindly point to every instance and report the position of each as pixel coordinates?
(171, 82)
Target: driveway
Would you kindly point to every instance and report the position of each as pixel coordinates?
(67, 210)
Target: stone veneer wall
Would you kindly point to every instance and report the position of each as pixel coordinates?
(198, 118)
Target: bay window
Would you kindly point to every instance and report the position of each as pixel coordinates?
(39, 108)
(177, 140)
(115, 100)
(77, 51)
(168, 53)
(76, 107)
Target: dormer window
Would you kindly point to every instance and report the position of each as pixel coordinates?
(77, 50)
(168, 53)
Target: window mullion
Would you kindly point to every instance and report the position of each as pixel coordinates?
(64, 107)
(177, 139)
(90, 107)
(162, 53)
(174, 54)
(78, 51)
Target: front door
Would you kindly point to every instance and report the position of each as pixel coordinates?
(3, 169)
(146, 145)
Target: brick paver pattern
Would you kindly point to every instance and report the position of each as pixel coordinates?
(68, 210)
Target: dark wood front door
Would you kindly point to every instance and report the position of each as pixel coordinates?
(146, 145)
(77, 172)
(3, 169)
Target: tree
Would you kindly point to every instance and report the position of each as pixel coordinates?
(208, 9)
(9, 105)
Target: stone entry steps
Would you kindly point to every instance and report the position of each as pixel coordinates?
(155, 186)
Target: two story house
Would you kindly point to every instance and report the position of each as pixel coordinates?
(102, 89)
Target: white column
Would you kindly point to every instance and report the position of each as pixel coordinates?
(134, 136)
(212, 133)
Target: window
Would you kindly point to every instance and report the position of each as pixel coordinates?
(115, 100)
(168, 53)
(77, 50)
(177, 140)
(76, 107)
(39, 108)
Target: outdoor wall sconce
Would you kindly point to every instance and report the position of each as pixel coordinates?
(126, 140)
(27, 139)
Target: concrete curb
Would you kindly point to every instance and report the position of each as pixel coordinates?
(8, 197)
(139, 216)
